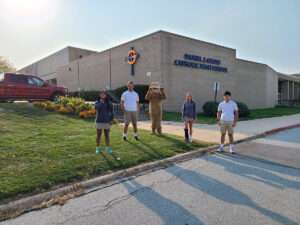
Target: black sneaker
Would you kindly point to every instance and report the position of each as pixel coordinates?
(124, 139)
(136, 138)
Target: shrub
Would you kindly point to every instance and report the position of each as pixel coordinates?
(243, 109)
(210, 108)
(141, 89)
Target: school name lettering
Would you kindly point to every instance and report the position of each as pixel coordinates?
(215, 63)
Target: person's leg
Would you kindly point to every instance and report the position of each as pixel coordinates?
(126, 128)
(127, 122)
(158, 123)
(99, 133)
(158, 126)
(223, 138)
(191, 130)
(186, 131)
(230, 138)
(106, 133)
(191, 127)
(134, 123)
(230, 134)
(134, 128)
(153, 125)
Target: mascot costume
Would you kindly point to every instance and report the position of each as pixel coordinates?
(155, 95)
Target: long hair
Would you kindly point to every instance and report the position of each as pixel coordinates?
(186, 96)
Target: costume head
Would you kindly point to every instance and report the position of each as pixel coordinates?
(155, 86)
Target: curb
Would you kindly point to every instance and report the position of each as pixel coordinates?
(21, 206)
(35, 202)
(282, 128)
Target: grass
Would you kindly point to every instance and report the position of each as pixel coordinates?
(255, 114)
(41, 150)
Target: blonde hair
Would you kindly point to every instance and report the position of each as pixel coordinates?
(129, 82)
(186, 96)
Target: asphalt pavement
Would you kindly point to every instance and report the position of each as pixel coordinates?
(258, 185)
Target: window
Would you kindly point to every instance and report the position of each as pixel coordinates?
(19, 79)
(1, 77)
(53, 81)
(35, 81)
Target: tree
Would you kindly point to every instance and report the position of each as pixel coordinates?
(6, 66)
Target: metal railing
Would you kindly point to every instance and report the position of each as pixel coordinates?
(293, 103)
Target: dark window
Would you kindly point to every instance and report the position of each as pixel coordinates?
(19, 79)
(54, 81)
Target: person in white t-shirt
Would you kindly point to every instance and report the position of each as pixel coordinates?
(130, 105)
(228, 115)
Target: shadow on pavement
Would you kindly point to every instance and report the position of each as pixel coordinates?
(254, 173)
(223, 192)
(247, 160)
(170, 212)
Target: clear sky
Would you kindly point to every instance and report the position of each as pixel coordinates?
(265, 31)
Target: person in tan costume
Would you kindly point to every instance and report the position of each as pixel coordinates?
(155, 95)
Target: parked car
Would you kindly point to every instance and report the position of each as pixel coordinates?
(27, 87)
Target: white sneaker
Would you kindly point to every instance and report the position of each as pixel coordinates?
(220, 150)
(231, 150)
(190, 139)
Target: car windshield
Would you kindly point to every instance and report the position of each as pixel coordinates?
(35, 81)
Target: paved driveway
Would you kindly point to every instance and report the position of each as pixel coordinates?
(282, 148)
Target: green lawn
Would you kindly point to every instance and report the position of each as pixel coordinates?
(40, 150)
(255, 114)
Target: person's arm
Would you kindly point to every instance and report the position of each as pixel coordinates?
(138, 106)
(112, 114)
(162, 94)
(147, 97)
(236, 114)
(219, 113)
(138, 103)
(219, 116)
(236, 117)
(123, 105)
(195, 111)
(183, 111)
(98, 105)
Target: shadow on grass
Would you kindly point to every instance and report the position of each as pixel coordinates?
(150, 155)
(110, 162)
(152, 148)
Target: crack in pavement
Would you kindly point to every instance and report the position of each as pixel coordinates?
(116, 201)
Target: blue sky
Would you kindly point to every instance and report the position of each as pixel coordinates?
(266, 31)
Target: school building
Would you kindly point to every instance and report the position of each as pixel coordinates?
(182, 65)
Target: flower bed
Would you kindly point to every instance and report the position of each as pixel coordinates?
(73, 106)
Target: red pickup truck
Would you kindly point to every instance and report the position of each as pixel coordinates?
(27, 87)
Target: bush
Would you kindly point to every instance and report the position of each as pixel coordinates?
(210, 108)
(86, 95)
(141, 89)
(243, 109)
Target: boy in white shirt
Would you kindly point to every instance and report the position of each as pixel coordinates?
(228, 115)
(130, 105)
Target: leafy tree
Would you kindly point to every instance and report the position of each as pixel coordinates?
(6, 66)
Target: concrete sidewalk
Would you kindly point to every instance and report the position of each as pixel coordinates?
(211, 133)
